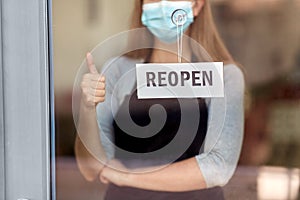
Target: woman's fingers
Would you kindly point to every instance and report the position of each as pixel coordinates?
(93, 84)
(103, 179)
(90, 94)
(94, 100)
(115, 176)
(94, 77)
(98, 93)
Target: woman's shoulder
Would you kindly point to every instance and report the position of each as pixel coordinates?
(120, 63)
(115, 67)
(233, 73)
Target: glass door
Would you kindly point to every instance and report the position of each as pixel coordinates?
(262, 36)
(77, 28)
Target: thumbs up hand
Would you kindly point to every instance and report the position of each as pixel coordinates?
(92, 84)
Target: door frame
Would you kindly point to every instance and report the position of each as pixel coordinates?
(25, 100)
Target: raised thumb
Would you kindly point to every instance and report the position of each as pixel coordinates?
(90, 63)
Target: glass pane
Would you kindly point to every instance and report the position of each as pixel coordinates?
(78, 26)
(262, 37)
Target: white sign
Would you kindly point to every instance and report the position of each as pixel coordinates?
(180, 80)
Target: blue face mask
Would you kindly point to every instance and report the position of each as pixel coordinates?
(167, 20)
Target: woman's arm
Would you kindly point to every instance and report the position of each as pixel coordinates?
(216, 165)
(90, 154)
(224, 137)
(177, 177)
(88, 149)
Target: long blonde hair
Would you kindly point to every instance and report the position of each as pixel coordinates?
(203, 30)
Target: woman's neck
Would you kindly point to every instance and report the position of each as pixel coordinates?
(168, 53)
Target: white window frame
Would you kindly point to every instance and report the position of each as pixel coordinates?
(25, 105)
(2, 172)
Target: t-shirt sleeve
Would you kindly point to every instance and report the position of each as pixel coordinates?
(225, 130)
(114, 69)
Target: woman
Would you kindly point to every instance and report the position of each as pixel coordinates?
(199, 167)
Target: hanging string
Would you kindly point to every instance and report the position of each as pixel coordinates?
(179, 38)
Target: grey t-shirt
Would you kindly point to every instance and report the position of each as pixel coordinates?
(224, 136)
